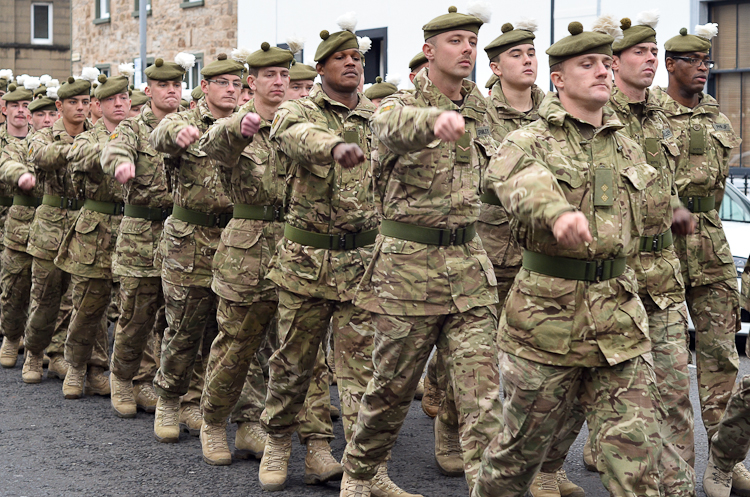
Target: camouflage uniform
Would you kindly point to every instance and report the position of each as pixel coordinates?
(86, 251)
(566, 340)
(135, 261)
(421, 294)
(316, 285)
(188, 248)
(706, 139)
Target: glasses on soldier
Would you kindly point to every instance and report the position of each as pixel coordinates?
(697, 62)
(223, 83)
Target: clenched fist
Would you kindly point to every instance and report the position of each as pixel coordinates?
(348, 155)
(450, 126)
(125, 172)
(250, 124)
(27, 181)
(187, 136)
(572, 229)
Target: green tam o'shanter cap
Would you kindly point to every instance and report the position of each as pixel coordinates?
(18, 94)
(491, 82)
(269, 56)
(197, 93)
(137, 97)
(416, 61)
(341, 40)
(521, 34)
(42, 104)
(169, 71)
(597, 41)
(644, 30)
(76, 87)
(478, 13)
(111, 86)
(698, 42)
(382, 89)
(301, 72)
(6, 77)
(93, 89)
(223, 65)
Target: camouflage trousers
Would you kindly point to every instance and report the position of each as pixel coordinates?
(716, 316)
(303, 325)
(188, 311)
(402, 346)
(141, 319)
(152, 351)
(88, 323)
(622, 407)
(730, 443)
(198, 376)
(15, 281)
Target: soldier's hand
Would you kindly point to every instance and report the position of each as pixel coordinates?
(250, 124)
(572, 229)
(450, 126)
(683, 222)
(348, 155)
(125, 172)
(27, 181)
(187, 136)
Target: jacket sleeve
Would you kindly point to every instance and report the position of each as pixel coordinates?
(121, 148)
(48, 155)
(223, 142)
(84, 156)
(303, 141)
(404, 128)
(164, 136)
(13, 162)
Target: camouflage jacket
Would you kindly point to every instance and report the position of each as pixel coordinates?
(493, 225)
(250, 173)
(88, 246)
(424, 181)
(657, 272)
(322, 196)
(188, 249)
(48, 152)
(704, 256)
(137, 244)
(16, 219)
(542, 171)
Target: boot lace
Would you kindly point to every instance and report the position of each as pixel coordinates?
(124, 390)
(275, 456)
(547, 481)
(216, 436)
(169, 412)
(75, 376)
(384, 482)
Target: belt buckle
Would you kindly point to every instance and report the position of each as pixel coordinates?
(165, 214)
(276, 213)
(119, 209)
(599, 271)
(655, 243)
(68, 203)
(342, 242)
(453, 237)
(690, 204)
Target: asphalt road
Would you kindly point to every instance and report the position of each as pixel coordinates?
(50, 446)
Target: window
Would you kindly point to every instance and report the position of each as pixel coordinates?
(729, 80)
(41, 23)
(298, 56)
(376, 59)
(137, 6)
(194, 75)
(104, 69)
(102, 9)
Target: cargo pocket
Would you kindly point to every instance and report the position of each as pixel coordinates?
(135, 244)
(47, 229)
(717, 240)
(389, 344)
(239, 258)
(179, 246)
(84, 242)
(417, 168)
(18, 223)
(400, 273)
(521, 383)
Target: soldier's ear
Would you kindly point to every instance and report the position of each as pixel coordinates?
(429, 51)
(558, 79)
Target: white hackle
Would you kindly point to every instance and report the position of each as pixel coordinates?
(608, 25)
(44, 79)
(365, 44)
(6, 74)
(240, 54)
(32, 83)
(393, 79)
(53, 83)
(90, 74)
(127, 69)
(20, 79)
(52, 92)
(648, 18)
(707, 31)
(348, 21)
(186, 60)
(481, 10)
(527, 24)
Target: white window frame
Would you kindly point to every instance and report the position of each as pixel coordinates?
(42, 41)
(195, 71)
(102, 5)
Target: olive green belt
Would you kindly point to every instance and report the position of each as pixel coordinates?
(201, 218)
(258, 212)
(338, 241)
(27, 201)
(489, 197)
(656, 243)
(148, 213)
(6, 201)
(67, 203)
(699, 204)
(111, 208)
(573, 269)
(428, 236)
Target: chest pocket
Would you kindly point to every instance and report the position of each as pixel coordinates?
(411, 166)
(570, 178)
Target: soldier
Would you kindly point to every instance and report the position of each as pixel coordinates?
(191, 235)
(137, 100)
(246, 94)
(301, 81)
(706, 139)
(591, 345)
(416, 64)
(432, 146)
(135, 163)
(95, 109)
(491, 82)
(381, 89)
(196, 95)
(86, 251)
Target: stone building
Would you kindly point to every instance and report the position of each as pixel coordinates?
(105, 32)
(35, 37)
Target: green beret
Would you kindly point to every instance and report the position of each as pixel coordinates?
(633, 35)
(579, 42)
(184, 103)
(336, 42)
(491, 82)
(111, 86)
(43, 103)
(138, 98)
(269, 56)
(93, 87)
(452, 21)
(511, 37)
(164, 71)
(301, 72)
(685, 42)
(3, 84)
(417, 61)
(73, 88)
(197, 93)
(18, 94)
(380, 89)
(40, 92)
(222, 65)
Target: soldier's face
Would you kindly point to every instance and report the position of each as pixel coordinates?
(43, 119)
(413, 74)
(74, 109)
(135, 110)
(299, 89)
(115, 108)
(585, 79)
(452, 54)
(270, 84)
(246, 95)
(222, 97)
(342, 71)
(165, 95)
(689, 78)
(17, 113)
(636, 66)
(95, 108)
(517, 67)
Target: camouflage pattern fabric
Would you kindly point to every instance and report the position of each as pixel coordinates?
(402, 345)
(91, 297)
(151, 352)
(731, 442)
(7, 188)
(15, 282)
(198, 377)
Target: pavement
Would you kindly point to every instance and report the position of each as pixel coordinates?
(50, 446)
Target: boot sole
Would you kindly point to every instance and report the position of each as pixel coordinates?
(186, 429)
(219, 462)
(124, 415)
(167, 440)
(311, 479)
(55, 374)
(148, 409)
(273, 487)
(97, 392)
(245, 454)
(445, 472)
(32, 381)
(428, 413)
(72, 396)
(575, 494)
(8, 365)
